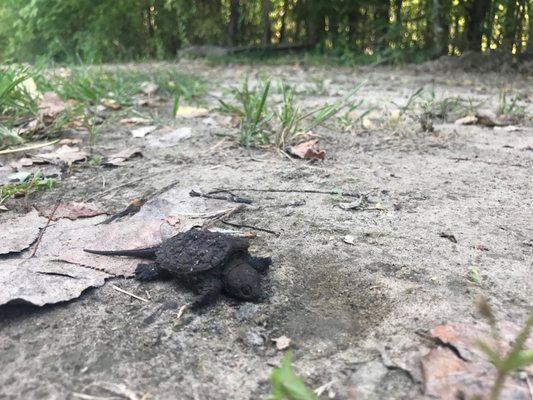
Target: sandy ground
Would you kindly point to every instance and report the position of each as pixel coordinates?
(352, 311)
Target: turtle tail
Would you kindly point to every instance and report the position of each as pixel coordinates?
(148, 252)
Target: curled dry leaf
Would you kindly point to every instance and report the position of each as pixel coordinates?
(149, 88)
(19, 233)
(143, 131)
(50, 106)
(65, 154)
(72, 211)
(191, 112)
(282, 343)
(307, 150)
(168, 139)
(111, 104)
(488, 118)
(135, 121)
(468, 120)
(118, 159)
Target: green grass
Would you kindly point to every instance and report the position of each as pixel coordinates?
(15, 98)
(286, 385)
(252, 113)
(34, 183)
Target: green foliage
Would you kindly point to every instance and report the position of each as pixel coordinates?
(35, 182)
(352, 32)
(286, 385)
(252, 113)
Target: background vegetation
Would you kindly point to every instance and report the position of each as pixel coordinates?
(103, 30)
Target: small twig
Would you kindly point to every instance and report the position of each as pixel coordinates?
(222, 216)
(321, 389)
(330, 192)
(41, 233)
(32, 147)
(502, 164)
(250, 227)
(228, 197)
(129, 293)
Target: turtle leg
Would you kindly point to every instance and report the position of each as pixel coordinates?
(260, 264)
(209, 290)
(150, 272)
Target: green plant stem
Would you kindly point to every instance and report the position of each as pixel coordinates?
(498, 386)
(32, 147)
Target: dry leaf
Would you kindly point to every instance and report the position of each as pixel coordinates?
(143, 131)
(488, 118)
(71, 211)
(509, 128)
(50, 106)
(135, 121)
(111, 104)
(172, 220)
(171, 138)
(459, 369)
(307, 150)
(65, 154)
(282, 343)
(191, 112)
(45, 281)
(19, 233)
(468, 120)
(70, 141)
(118, 159)
(149, 88)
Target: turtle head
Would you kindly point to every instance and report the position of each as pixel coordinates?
(243, 282)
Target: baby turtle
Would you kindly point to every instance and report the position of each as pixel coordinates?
(210, 262)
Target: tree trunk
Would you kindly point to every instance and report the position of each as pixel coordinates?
(283, 21)
(440, 26)
(510, 25)
(381, 24)
(529, 49)
(233, 27)
(265, 16)
(476, 13)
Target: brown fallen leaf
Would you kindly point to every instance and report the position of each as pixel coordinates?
(169, 139)
(50, 106)
(143, 131)
(489, 118)
(191, 112)
(468, 120)
(118, 159)
(149, 88)
(459, 369)
(282, 343)
(111, 104)
(72, 211)
(307, 150)
(65, 154)
(481, 247)
(135, 121)
(69, 141)
(19, 233)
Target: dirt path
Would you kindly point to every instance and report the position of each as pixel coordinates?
(352, 311)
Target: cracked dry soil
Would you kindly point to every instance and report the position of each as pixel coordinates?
(351, 311)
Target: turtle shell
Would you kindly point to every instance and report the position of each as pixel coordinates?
(198, 250)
